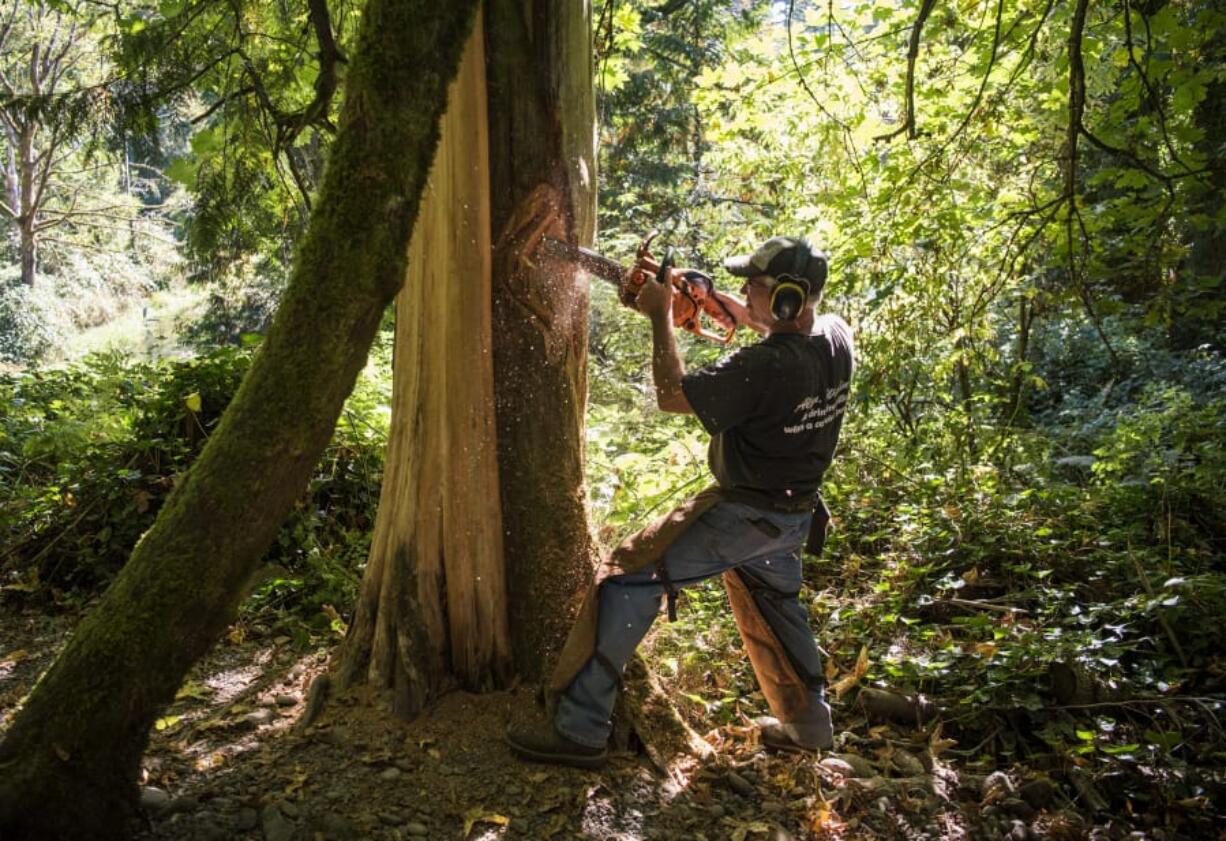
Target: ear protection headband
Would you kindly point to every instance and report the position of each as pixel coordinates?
(791, 289)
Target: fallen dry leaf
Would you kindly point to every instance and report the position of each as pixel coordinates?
(853, 677)
(478, 815)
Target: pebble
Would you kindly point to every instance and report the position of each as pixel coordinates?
(1019, 831)
(338, 737)
(862, 767)
(389, 773)
(739, 784)
(275, 826)
(390, 818)
(182, 804)
(209, 828)
(338, 827)
(1018, 808)
(416, 830)
(247, 819)
(996, 785)
(289, 808)
(256, 718)
(154, 799)
(286, 700)
(716, 811)
(1038, 792)
(907, 764)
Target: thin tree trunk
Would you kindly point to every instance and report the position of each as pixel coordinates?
(26, 209)
(69, 763)
(433, 604)
(1017, 390)
(542, 175)
(29, 251)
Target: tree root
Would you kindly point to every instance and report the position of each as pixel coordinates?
(645, 711)
(881, 704)
(317, 698)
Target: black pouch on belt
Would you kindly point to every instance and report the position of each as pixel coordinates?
(816, 541)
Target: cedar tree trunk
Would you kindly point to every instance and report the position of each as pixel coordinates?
(481, 542)
(542, 180)
(68, 765)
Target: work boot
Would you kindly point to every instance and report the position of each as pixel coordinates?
(794, 738)
(541, 742)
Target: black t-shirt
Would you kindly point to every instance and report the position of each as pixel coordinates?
(774, 410)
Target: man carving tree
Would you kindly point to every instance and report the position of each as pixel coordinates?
(774, 411)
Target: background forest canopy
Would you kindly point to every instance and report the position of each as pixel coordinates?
(1022, 201)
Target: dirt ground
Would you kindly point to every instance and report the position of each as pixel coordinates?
(228, 760)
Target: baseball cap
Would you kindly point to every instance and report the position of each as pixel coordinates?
(782, 256)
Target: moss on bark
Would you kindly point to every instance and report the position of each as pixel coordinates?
(68, 765)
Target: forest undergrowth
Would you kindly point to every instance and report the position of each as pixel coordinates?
(1043, 618)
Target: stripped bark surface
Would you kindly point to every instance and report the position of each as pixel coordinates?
(432, 611)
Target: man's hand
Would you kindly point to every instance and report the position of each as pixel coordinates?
(655, 300)
(740, 312)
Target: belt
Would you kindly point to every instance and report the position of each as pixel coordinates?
(797, 502)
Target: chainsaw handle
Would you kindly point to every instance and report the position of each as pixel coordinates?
(693, 293)
(664, 270)
(693, 298)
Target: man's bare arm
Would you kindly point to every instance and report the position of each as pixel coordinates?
(655, 300)
(667, 369)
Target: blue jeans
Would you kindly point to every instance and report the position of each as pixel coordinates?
(764, 546)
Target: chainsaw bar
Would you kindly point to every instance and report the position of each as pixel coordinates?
(588, 260)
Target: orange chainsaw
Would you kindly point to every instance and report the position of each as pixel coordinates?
(695, 305)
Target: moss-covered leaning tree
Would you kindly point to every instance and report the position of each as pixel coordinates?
(482, 540)
(69, 763)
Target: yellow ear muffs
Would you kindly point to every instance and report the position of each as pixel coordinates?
(789, 293)
(788, 297)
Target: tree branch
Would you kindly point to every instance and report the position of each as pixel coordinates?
(970, 112)
(1076, 113)
(908, 125)
(289, 126)
(221, 103)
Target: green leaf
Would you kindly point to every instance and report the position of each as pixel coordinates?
(1167, 740)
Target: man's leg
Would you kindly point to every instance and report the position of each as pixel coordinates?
(774, 584)
(628, 605)
(723, 538)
